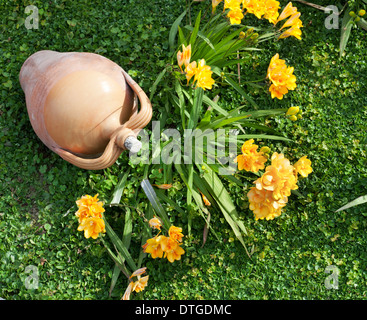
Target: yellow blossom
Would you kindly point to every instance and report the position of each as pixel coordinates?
(281, 76)
(153, 246)
(279, 177)
(92, 227)
(89, 206)
(136, 286)
(295, 32)
(289, 10)
(172, 249)
(250, 159)
(272, 8)
(235, 16)
(128, 291)
(191, 70)
(205, 200)
(140, 284)
(175, 233)
(138, 272)
(232, 4)
(263, 205)
(203, 76)
(293, 22)
(267, 9)
(184, 56)
(155, 223)
(303, 166)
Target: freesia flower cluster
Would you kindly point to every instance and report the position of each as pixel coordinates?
(271, 191)
(89, 215)
(162, 246)
(281, 77)
(267, 9)
(200, 71)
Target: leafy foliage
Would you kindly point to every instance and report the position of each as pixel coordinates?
(288, 255)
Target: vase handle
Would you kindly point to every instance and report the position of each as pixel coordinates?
(119, 140)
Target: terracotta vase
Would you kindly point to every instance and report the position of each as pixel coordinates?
(83, 106)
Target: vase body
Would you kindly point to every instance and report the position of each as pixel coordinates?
(82, 105)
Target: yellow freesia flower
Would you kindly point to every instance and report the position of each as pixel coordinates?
(279, 177)
(138, 272)
(295, 32)
(303, 166)
(153, 246)
(203, 76)
(92, 227)
(293, 22)
(175, 233)
(140, 284)
(250, 159)
(184, 56)
(232, 4)
(289, 10)
(191, 70)
(281, 76)
(136, 286)
(272, 10)
(155, 223)
(235, 16)
(205, 200)
(89, 206)
(263, 205)
(172, 249)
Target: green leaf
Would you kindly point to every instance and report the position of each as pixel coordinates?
(174, 29)
(195, 30)
(196, 108)
(121, 248)
(181, 102)
(356, 202)
(157, 206)
(345, 31)
(224, 201)
(214, 105)
(115, 275)
(117, 193)
(156, 82)
(182, 36)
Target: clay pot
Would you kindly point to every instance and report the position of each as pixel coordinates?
(83, 106)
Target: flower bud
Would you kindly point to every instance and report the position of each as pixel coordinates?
(265, 150)
(352, 14)
(292, 111)
(242, 35)
(293, 118)
(361, 12)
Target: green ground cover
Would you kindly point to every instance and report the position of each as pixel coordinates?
(288, 254)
